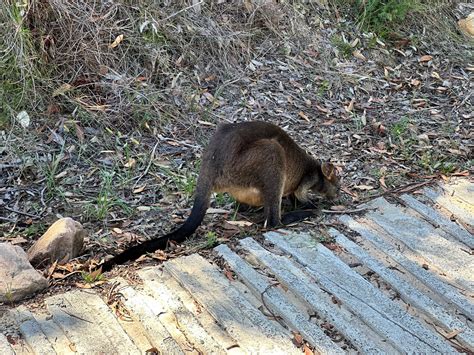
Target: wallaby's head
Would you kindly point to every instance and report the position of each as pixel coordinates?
(330, 185)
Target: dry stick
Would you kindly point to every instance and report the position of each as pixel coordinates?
(182, 10)
(403, 189)
(357, 210)
(149, 164)
(22, 213)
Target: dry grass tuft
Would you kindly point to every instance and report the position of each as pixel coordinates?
(116, 61)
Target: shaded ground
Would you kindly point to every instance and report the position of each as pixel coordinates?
(118, 148)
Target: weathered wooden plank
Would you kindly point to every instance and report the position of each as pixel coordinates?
(462, 210)
(245, 323)
(188, 324)
(279, 303)
(54, 333)
(305, 288)
(142, 307)
(422, 238)
(79, 325)
(32, 333)
(5, 348)
(442, 289)
(461, 188)
(408, 292)
(208, 322)
(439, 220)
(104, 318)
(384, 316)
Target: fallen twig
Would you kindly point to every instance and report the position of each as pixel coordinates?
(357, 210)
(21, 212)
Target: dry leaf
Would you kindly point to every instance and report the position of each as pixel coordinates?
(303, 116)
(349, 192)
(240, 223)
(350, 107)
(328, 123)
(130, 163)
(297, 339)
(229, 274)
(436, 75)
(452, 334)
(217, 211)
(117, 41)
(18, 240)
(364, 187)
(307, 350)
(139, 189)
(205, 123)
(358, 55)
(79, 132)
(425, 58)
(73, 348)
(338, 208)
(23, 118)
(322, 109)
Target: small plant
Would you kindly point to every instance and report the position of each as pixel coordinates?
(90, 278)
(323, 88)
(400, 128)
(223, 199)
(106, 199)
(35, 229)
(344, 48)
(17, 70)
(434, 162)
(51, 171)
(211, 239)
(384, 16)
(188, 184)
(447, 167)
(9, 293)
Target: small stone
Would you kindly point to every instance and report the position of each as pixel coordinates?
(61, 242)
(18, 279)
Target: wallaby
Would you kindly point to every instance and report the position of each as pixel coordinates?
(257, 163)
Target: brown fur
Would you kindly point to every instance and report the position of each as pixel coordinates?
(258, 163)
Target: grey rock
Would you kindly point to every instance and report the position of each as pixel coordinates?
(18, 279)
(61, 242)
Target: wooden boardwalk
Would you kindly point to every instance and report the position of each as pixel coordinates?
(398, 279)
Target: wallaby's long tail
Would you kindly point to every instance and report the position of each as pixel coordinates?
(201, 203)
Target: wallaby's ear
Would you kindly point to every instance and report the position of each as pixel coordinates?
(329, 171)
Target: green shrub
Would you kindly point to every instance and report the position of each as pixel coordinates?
(379, 16)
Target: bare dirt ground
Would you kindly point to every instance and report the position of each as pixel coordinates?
(115, 132)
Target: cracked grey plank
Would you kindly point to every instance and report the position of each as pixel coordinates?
(245, 323)
(450, 294)
(408, 292)
(278, 302)
(404, 332)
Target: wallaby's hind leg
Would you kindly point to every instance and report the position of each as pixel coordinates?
(273, 179)
(261, 168)
(272, 207)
